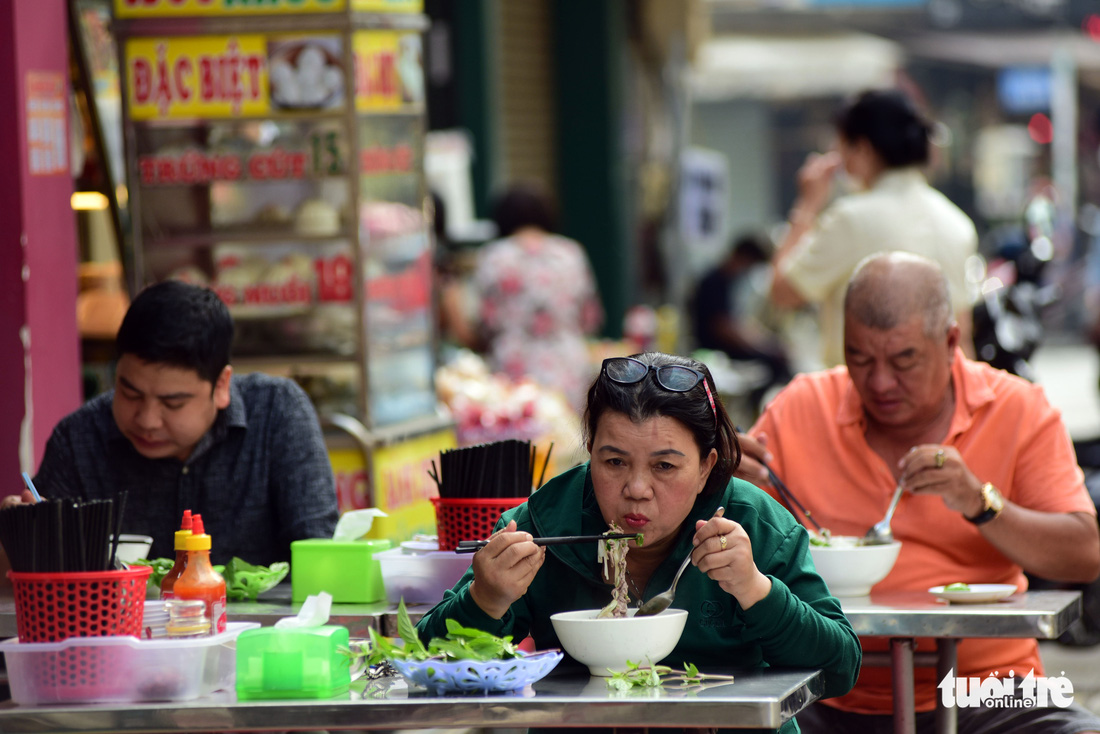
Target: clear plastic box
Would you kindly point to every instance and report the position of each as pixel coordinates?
(420, 578)
(121, 669)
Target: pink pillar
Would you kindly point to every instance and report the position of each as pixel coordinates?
(39, 344)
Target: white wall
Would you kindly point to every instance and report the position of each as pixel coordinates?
(741, 131)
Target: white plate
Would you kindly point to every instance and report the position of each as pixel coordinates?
(976, 594)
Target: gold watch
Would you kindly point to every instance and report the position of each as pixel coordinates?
(993, 502)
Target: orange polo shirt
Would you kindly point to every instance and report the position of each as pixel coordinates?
(1008, 434)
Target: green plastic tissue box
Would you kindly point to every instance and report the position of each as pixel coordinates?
(306, 662)
(344, 568)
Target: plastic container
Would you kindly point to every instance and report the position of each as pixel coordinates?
(154, 621)
(180, 545)
(55, 606)
(345, 569)
(199, 580)
(468, 519)
(421, 578)
(292, 663)
(132, 548)
(121, 669)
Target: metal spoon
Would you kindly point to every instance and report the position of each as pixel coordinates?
(880, 533)
(662, 601)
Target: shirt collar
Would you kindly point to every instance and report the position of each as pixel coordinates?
(899, 178)
(232, 416)
(971, 393)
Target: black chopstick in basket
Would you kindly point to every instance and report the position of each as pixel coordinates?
(469, 546)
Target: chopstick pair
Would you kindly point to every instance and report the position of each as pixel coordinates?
(786, 494)
(470, 546)
(789, 498)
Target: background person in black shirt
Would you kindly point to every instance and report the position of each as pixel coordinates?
(719, 323)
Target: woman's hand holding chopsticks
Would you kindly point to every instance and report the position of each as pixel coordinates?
(471, 546)
(504, 569)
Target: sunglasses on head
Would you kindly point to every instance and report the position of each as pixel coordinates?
(671, 377)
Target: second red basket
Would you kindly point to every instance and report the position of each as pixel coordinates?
(468, 519)
(50, 607)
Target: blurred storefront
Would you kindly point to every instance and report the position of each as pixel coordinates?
(662, 127)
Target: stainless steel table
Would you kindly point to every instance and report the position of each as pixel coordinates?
(756, 699)
(903, 616)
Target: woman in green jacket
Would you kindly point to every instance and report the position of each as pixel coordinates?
(663, 452)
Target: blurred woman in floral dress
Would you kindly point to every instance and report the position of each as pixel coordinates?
(538, 297)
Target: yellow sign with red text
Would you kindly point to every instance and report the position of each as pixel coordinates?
(398, 484)
(389, 75)
(183, 8)
(197, 77)
(402, 487)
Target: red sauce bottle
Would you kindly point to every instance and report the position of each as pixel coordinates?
(181, 537)
(199, 579)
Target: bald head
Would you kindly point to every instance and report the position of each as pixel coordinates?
(887, 289)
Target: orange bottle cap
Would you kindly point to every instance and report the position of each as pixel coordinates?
(198, 539)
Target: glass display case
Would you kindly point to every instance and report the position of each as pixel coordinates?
(275, 153)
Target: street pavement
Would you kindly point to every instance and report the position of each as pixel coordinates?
(1068, 373)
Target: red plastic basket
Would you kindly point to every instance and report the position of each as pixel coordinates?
(50, 607)
(468, 519)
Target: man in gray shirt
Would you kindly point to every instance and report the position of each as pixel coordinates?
(179, 431)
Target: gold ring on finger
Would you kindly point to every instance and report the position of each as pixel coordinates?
(940, 456)
(722, 541)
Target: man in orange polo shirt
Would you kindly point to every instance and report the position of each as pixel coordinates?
(992, 484)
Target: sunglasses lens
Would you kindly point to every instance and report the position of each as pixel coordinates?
(624, 370)
(677, 379)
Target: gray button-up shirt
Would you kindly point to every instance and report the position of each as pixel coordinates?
(260, 476)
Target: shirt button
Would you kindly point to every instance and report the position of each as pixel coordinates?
(186, 469)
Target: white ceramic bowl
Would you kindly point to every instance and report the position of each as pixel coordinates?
(609, 643)
(133, 547)
(851, 570)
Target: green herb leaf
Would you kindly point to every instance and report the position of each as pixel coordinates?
(244, 580)
(461, 643)
(456, 649)
(407, 630)
(653, 676)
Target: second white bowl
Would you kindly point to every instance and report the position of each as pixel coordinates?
(851, 570)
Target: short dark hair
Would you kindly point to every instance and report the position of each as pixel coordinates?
(646, 399)
(522, 206)
(755, 247)
(178, 324)
(891, 123)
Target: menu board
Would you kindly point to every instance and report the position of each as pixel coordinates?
(248, 177)
(245, 75)
(258, 75)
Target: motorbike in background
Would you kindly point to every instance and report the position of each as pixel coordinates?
(1008, 325)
